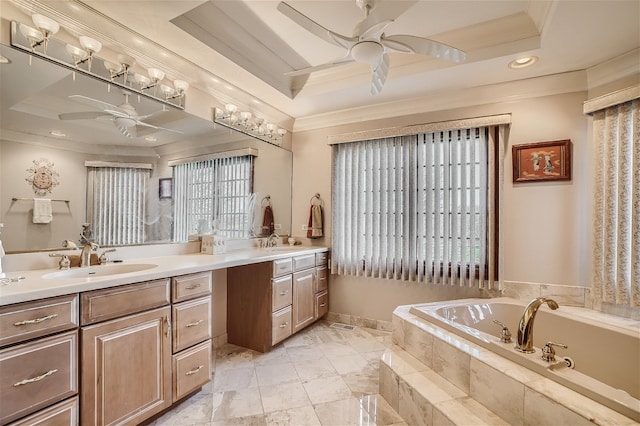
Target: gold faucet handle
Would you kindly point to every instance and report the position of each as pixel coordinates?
(505, 334)
(548, 353)
(65, 262)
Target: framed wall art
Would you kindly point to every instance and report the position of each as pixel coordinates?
(165, 188)
(542, 161)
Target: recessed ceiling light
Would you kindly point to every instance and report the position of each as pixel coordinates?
(150, 139)
(57, 133)
(523, 62)
(4, 60)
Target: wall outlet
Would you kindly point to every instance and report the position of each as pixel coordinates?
(305, 227)
(277, 226)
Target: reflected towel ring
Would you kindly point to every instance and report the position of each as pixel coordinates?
(316, 197)
(267, 199)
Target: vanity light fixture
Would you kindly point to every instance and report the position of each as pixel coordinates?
(155, 76)
(525, 61)
(247, 123)
(47, 27)
(179, 92)
(89, 47)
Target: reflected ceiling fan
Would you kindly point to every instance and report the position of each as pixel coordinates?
(369, 43)
(124, 117)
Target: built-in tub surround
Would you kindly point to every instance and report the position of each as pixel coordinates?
(449, 359)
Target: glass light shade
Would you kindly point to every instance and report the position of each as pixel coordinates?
(282, 132)
(155, 74)
(167, 90)
(180, 85)
(45, 24)
(31, 33)
(231, 108)
(270, 127)
(142, 80)
(245, 115)
(75, 52)
(89, 44)
(112, 68)
(126, 60)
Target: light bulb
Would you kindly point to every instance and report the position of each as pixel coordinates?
(89, 44)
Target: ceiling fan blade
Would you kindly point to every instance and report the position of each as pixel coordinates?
(119, 113)
(379, 74)
(315, 28)
(142, 123)
(423, 46)
(380, 16)
(328, 65)
(87, 115)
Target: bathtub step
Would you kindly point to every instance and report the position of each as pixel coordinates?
(421, 396)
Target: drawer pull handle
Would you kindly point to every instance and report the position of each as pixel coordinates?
(193, 324)
(168, 323)
(36, 320)
(322, 305)
(284, 325)
(193, 286)
(35, 379)
(194, 370)
(284, 293)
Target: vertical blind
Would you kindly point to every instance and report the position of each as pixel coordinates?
(213, 191)
(616, 253)
(116, 204)
(417, 207)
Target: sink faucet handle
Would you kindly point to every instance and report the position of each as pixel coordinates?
(548, 353)
(64, 263)
(505, 334)
(104, 258)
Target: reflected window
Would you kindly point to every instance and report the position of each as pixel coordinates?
(116, 202)
(213, 194)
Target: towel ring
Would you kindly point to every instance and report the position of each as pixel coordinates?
(267, 199)
(316, 197)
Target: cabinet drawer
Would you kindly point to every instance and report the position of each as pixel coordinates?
(282, 267)
(190, 286)
(280, 325)
(62, 414)
(281, 292)
(321, 258)
(304, 262)
(25, 321)
(37, 374)
(101, 305)
(322, 279)
(322, 304)
(191, 323)
(191, 369)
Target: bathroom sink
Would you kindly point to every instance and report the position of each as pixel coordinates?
(99, 270)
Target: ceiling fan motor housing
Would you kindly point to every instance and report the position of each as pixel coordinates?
(368, 52)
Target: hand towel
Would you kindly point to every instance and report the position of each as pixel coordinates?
(314, 229)
(42, 210)
(268, 222)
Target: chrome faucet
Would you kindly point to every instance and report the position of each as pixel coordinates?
(525, 327)
(272, 241)
(85, 256)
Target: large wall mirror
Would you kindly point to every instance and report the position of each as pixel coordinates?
(34, 92)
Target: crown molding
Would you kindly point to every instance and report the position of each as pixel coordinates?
(614, 69)
(502, 92)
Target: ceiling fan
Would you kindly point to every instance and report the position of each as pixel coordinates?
(124, 117)
(369, 44)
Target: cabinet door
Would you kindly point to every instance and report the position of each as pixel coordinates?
(303, 299)
(126, 368)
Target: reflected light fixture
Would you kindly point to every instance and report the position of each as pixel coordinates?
(247, 123)
(47, 27)
(89, 47)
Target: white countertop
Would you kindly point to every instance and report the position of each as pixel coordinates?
(34, 286)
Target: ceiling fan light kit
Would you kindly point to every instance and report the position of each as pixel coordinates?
(369, 43)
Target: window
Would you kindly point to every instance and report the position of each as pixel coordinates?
(213, 192)
(116, 199)
(417, 207)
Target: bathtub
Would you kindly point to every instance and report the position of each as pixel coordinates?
(603, 350)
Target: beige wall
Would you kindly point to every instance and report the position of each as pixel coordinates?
(545, 225)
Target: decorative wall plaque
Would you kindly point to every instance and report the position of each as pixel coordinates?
(42, 176)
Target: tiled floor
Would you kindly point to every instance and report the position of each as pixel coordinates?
(320, 376)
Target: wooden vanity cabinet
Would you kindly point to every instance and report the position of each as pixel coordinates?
(38, 359)
(126, 358)
(268, 302)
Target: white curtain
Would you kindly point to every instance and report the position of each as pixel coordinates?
(116, 204)
(419, 207)
(616, 253)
